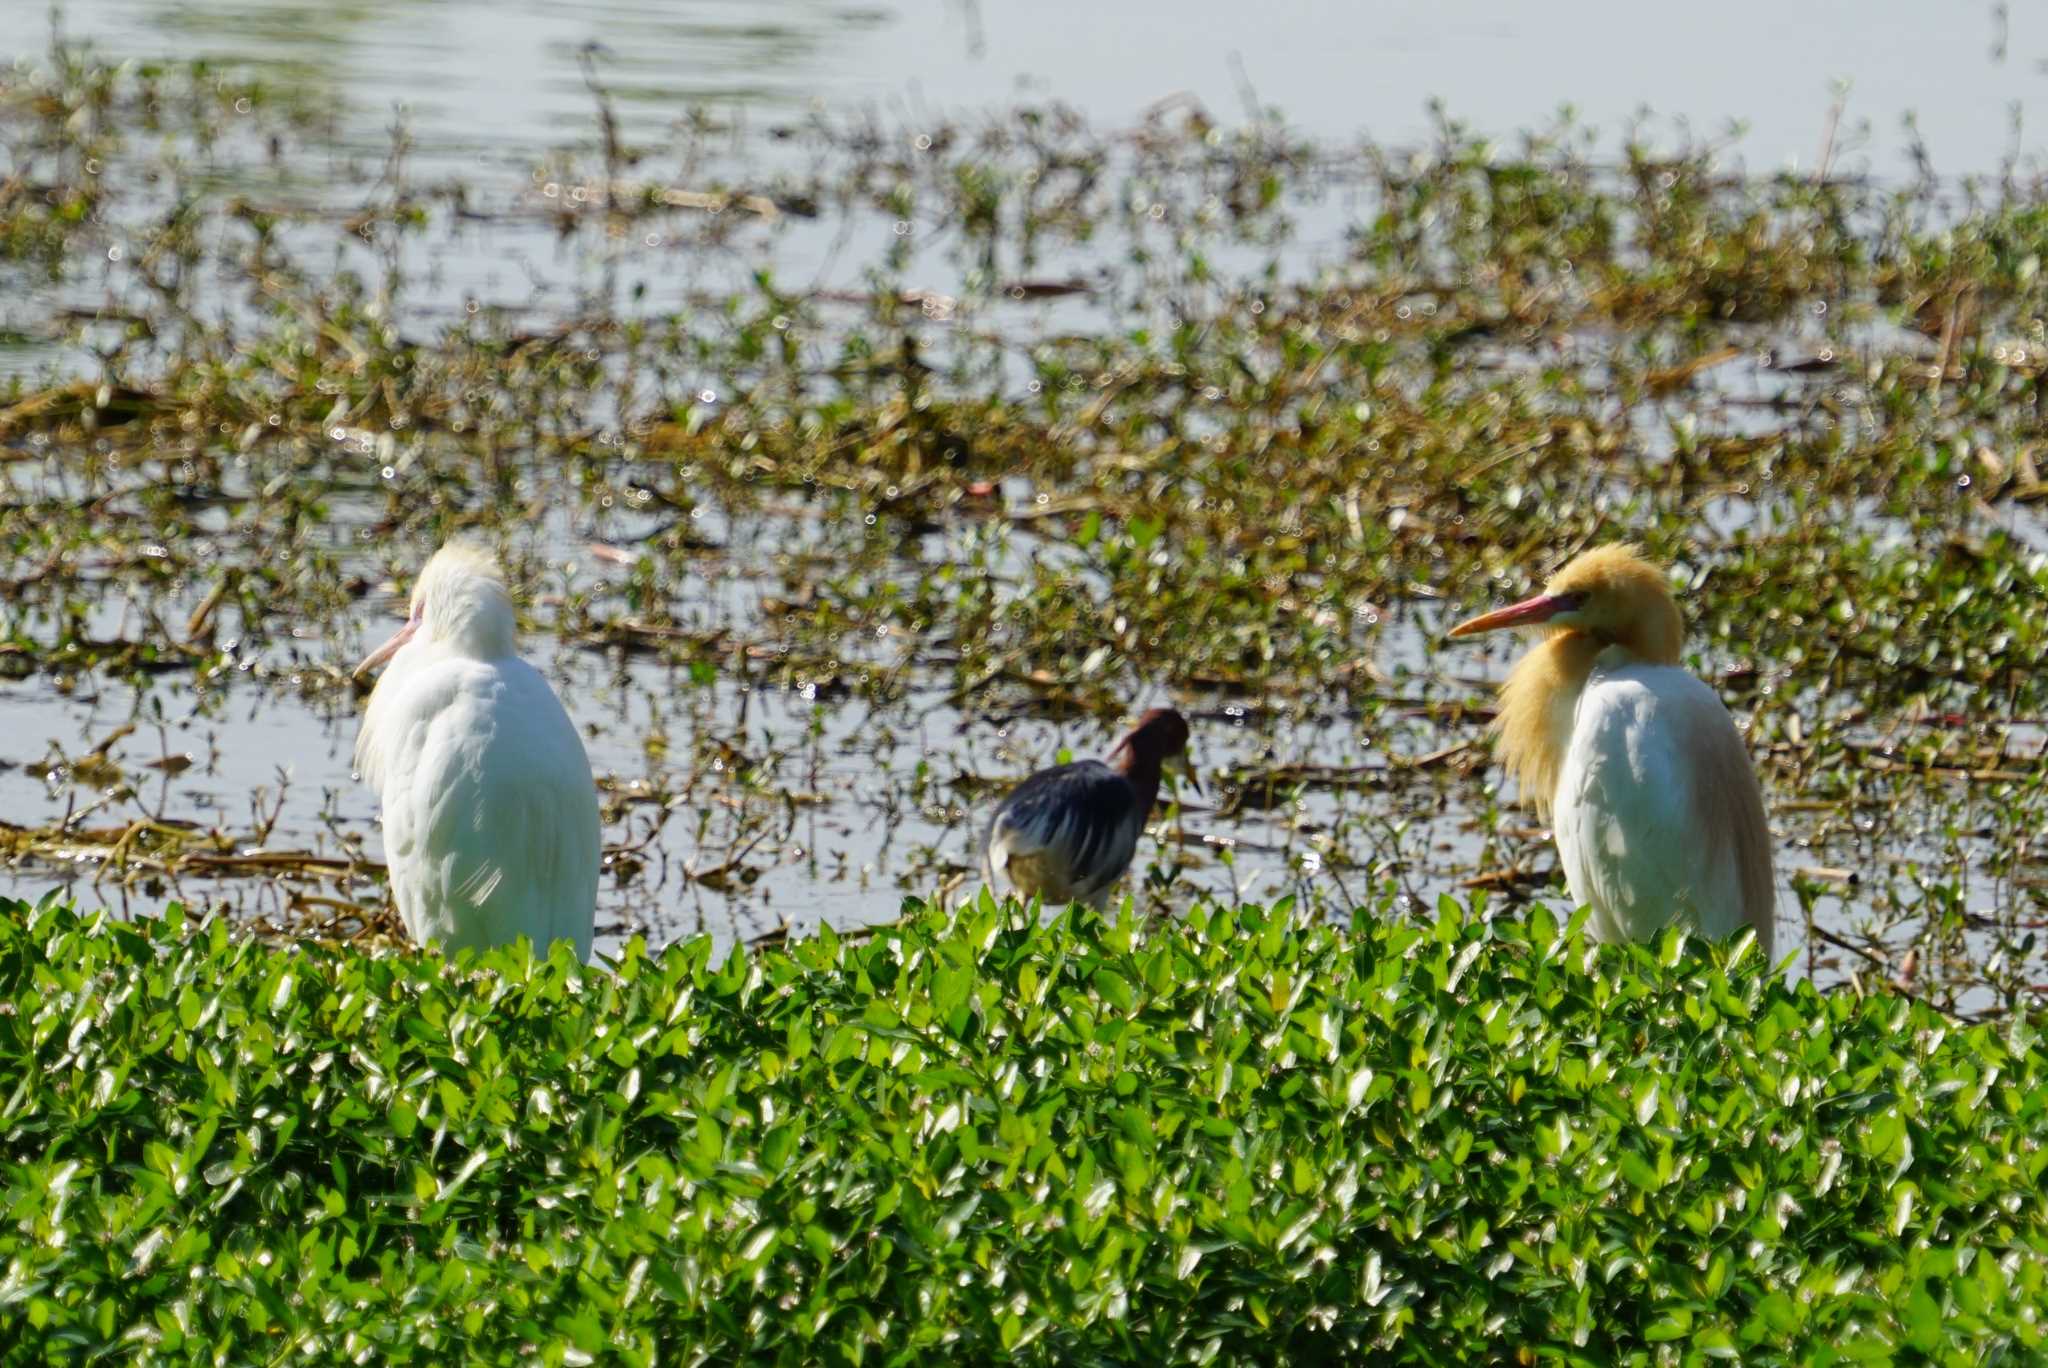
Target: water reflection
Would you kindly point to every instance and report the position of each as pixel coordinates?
(480, 76)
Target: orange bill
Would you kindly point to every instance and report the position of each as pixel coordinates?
(1529, 611)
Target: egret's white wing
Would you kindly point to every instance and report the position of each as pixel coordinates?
(490, 816)
(1658, 813)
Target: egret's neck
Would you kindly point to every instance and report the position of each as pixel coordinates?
(1654, 633)
(475, 620)
(1537, 705)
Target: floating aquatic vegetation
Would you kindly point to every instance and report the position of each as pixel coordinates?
(853, 467)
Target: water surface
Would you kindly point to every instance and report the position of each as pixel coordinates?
(482, 78)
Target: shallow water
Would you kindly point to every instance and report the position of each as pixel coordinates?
(493, 79)
(799, 807)
(742, 809)
(746, 795)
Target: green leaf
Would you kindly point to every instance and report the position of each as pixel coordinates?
(1921, 1316)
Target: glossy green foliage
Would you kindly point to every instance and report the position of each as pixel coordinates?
(972, 1136)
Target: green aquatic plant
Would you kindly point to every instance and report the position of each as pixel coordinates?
(978, 1134)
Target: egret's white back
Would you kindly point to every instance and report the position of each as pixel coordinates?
(490, 817)
(1657, 810)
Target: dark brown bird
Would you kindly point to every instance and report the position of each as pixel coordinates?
(1067, 834)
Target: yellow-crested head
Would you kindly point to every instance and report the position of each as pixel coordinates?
(1610, 594)
(1607, 597)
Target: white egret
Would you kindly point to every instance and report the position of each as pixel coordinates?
(1067, 833)
(1654, 800)
(490, 815)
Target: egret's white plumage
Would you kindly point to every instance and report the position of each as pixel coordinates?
(1644, 833)
(1656, 806)
(490, 816)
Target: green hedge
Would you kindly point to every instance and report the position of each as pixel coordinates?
(973, 1137)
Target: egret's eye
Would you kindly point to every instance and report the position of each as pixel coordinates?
(1569, 603)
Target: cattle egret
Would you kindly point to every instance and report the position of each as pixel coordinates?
(1067, 834)
(490, 816)
(1656, 806)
